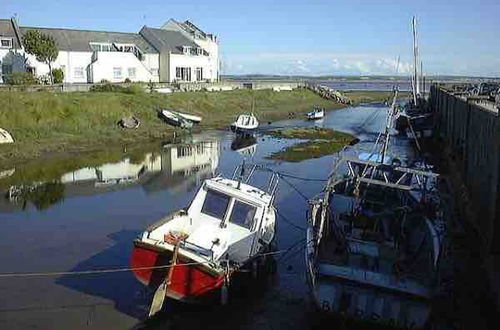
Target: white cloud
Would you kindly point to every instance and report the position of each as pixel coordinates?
(313, 64)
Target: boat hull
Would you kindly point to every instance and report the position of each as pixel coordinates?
(242, 131)
(191, 282)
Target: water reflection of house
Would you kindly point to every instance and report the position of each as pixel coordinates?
(185, 165)
(156, 171)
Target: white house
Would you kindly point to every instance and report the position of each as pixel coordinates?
(168, 54)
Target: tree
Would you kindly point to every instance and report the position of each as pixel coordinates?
(43, 47)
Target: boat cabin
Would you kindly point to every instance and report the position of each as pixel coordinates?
(227, 218)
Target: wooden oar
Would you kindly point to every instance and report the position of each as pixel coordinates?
(161, 292)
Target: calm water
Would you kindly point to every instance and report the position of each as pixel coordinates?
(404, 85)
(88, 216)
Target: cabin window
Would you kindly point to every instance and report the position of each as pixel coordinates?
(215, 204)
(243, 214)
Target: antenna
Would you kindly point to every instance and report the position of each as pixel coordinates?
(416, 87)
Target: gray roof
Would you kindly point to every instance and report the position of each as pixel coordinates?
(7, 29)
(78, 40)
(166, 40)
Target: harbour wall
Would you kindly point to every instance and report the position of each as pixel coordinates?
(471, 133)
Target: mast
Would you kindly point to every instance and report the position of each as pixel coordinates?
(416, 86)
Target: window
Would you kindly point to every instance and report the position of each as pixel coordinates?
(183, 74)
(199, 74)
(5, 42)
(215, 204)
(131, 72)
(117, 73)
(186, 50)
(101, 47)
(78, 72)
(243, 214)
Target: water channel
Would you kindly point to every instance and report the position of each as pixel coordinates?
(86, 218)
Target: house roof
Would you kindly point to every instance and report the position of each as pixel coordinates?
(78, 40)
(8, 29)
(166, 40)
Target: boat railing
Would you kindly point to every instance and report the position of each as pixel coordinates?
(244, 173)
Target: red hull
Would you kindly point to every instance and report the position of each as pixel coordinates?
(189, 282)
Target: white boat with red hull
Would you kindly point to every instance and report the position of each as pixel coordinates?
(192, 254)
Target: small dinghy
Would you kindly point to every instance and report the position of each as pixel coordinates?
(192, 118)
(174, 119)
(5, 136)
(245, 124)
(129, 122)
(317, 113)
(228, 225)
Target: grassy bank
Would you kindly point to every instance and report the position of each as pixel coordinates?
(45, 123)
(321, 142)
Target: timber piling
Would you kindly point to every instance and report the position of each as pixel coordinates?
(468, 134)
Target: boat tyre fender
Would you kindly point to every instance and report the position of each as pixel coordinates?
(224, 291)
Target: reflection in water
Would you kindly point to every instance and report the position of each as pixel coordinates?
(245, 145)
(172, 165)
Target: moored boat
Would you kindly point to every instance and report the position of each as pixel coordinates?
(245, 124)
(229, 224)
(316, 114)
(374, 239)
(172, 118)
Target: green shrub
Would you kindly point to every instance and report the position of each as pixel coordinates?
(132, 89)
(58, 75)
(20, 78)
(127, 81)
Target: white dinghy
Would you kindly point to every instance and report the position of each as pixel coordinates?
(5, 137)
(317, 113)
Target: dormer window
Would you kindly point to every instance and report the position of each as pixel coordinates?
(101, 47)
(5, 42)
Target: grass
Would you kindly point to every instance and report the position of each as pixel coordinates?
(322, 142)
(358, 97)
(47, 123)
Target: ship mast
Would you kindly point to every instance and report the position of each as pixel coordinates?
(416, 85)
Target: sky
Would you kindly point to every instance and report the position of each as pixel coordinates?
(304, 37)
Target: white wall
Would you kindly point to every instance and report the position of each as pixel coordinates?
(67, 60)
(193, 61)
(212, 48)
(103, 67)
(100, 69)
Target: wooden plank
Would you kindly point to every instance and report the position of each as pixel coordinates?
(385, 184)
(384, 281)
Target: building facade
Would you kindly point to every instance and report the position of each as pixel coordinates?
(168, 54)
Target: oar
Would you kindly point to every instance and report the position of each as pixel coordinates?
(161, 292)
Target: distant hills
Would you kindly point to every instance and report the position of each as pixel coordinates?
(352, 78)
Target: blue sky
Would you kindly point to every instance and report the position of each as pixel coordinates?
(311, 37)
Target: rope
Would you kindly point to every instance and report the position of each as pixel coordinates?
(115, 270)
(288, 221)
